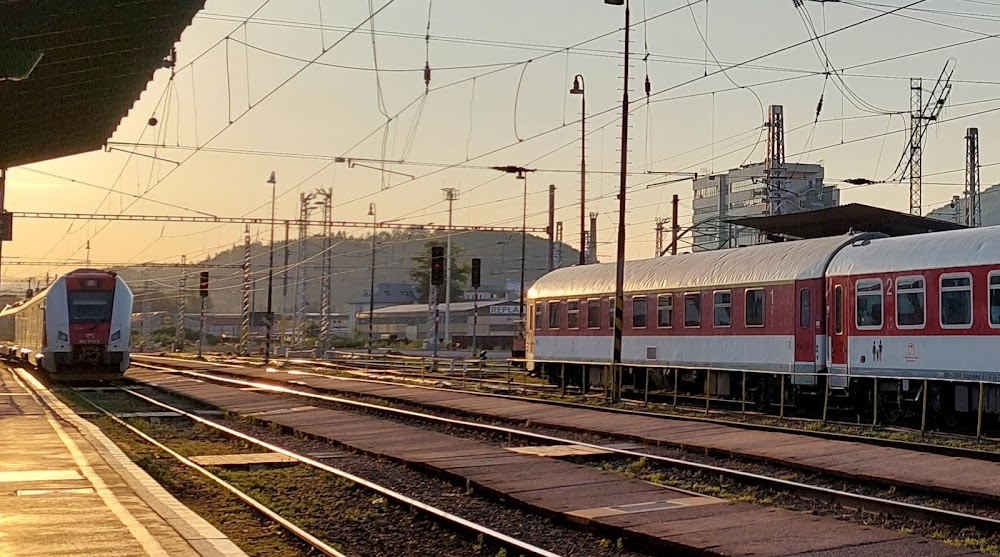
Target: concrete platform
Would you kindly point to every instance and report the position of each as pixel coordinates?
(662, 519)
(67, 490)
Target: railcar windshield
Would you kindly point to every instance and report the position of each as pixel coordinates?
(90, 307)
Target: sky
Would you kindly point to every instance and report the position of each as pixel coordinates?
(264, 86)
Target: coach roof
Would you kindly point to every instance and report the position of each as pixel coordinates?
(938, 250)
(764, 264)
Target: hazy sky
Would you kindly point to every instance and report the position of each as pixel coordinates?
(512, 113)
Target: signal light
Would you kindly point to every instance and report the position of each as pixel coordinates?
(476, 273)
(437, 265)
(203, 284)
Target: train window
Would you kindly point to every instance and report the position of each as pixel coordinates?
(692, 310)
(804, 315)
(593, 314)
(995, 299)
(611, 314)
(573, 315)
(89, 307)
(754, 307)
(838, 309)
(868, 303)
(956, 301)
(639, 304)
(665, 310)
(554, 315)
(538, 316)
(911, 309)
(723, 309)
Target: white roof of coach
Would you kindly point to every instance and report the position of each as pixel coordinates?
(937, 250)
(768, 263)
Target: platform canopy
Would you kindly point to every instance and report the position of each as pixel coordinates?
(834, 221)
(70, 70)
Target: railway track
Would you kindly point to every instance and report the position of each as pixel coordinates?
(800, 426)
(513, 545)
(812, 491)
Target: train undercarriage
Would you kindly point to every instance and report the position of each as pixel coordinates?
(931, 404)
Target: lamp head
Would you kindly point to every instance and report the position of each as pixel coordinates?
(577, 89)
(272, 180)
(371, 209)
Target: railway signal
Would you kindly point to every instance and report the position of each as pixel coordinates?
(437, 265)
(476, 273)
(203, 284)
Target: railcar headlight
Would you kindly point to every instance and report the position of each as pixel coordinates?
(63, 337)
(116, 335)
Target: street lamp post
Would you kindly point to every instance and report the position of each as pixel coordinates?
(620, 262)
(270, 273)
(579, 88)
(371, 292)
(522, 174)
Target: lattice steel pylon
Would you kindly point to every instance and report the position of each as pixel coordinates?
(245, 324)
(147, 314)
(181, 284)
(299, 290)
(922, 114)
(324, 298)
(660, 227)
(775, 156)
(973, 211)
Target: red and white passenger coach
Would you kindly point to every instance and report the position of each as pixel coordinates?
(919, 312)
(77, 328)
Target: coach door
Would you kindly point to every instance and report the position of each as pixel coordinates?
(837, 332)
(806, 350)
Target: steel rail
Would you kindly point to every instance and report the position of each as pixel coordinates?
(302, 534)
(381, 490)
(843, 498)
(929, 448)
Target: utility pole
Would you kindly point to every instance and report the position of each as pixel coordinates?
(973, 210)
(450, 195)
(522, 174)
(269, 324)
(146, 309)
(559, 244)
(579, 88)
(284, 288)
(245, 325)
(616, 353)
(182, 303)
(371, 291)
(675, 227)
(592, 252)
(552, 226)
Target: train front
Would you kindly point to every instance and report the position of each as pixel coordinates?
(88, 317)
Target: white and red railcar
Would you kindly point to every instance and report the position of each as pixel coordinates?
(827, 311)
(76, 328)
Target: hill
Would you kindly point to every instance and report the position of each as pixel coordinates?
(500, 253)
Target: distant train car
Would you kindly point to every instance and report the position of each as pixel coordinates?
(922, 312)
(78, 328)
